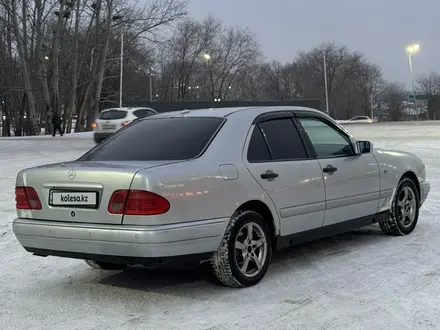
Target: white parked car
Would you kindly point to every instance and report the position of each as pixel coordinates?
(225, 186)
(358, 120)
(111, 120)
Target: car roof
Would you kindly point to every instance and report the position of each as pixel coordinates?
(225, 112)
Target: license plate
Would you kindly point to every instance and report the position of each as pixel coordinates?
(73, 198)
(108, 126)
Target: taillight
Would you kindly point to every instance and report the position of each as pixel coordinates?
(137, 202)
(94, 125)
(117, 202)
(26, 198)
(125, 123)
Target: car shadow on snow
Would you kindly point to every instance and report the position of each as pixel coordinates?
(332, 246)
(294, 259)
(157, 278)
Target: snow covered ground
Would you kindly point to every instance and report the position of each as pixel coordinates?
(360, 280)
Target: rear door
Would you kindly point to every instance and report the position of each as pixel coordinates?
(278, 160)
(351, 181)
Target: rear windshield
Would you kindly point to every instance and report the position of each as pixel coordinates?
(113, 114)
(158, 139)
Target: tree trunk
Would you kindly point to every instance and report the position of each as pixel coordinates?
(94, 56)
(72, 98)
(55, 63)
(25, 68)
(101, 69)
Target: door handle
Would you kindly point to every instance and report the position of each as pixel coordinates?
(329, 169)
(269, 175)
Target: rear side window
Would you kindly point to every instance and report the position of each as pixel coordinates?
(113, 114)
(143, 113)
(258, 151)
(284, 140)
(158, 139)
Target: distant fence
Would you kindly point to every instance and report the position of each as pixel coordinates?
(175, 106)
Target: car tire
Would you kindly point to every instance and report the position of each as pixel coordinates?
(242, 259)
(105, 265)
(97, 140)
(404, 212)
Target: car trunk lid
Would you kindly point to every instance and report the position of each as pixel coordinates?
(79, 191)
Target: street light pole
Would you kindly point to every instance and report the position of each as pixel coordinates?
(411, 49)
(122, 69)
(325, 82)
(207, 58)
(151, 86)
(412, 83)
(114, 19)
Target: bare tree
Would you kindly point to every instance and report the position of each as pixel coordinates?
(65, 57)
(281, 81)
(189, 47)
(250, 83)
(63, 54)
(79, 8)
(393, 96)
(429, 84)
(234, 51)
(19, 30)
(351, 79)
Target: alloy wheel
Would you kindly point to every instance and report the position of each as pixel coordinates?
(251, 249)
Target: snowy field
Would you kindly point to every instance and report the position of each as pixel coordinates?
(360, 280)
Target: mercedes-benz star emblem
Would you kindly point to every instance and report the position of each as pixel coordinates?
(71, 174)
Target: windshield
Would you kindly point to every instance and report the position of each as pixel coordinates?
(158, 139)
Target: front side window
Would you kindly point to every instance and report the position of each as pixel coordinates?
(327, 140)
(157, 139)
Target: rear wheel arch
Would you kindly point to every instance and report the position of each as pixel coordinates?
(262, 209)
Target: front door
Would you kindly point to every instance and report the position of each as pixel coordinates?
(352, 182)
(277, 159)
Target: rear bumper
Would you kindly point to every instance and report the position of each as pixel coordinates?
(108, 242)
(425, 187)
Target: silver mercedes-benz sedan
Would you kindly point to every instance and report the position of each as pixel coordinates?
(227, 186)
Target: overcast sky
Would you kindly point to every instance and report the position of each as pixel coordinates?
(379, 28)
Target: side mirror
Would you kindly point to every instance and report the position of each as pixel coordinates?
(364, 147)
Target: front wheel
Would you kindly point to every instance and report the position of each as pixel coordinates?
(404, 210)
(244, 254)
(105, 265)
